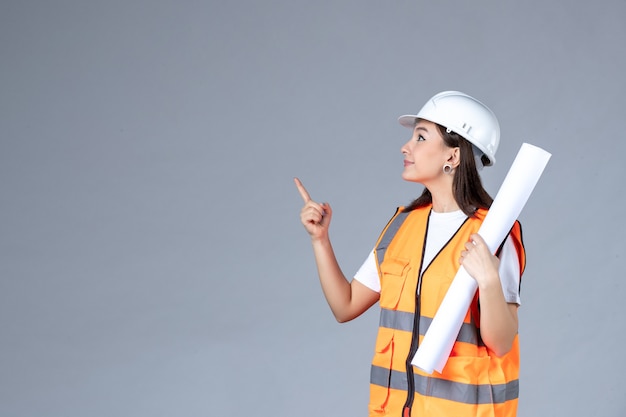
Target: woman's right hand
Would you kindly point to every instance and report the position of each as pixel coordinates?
(347, 300)
(314, 216)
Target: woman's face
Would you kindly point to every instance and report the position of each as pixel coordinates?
(425, 154)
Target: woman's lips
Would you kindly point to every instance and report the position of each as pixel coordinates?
(407, 163)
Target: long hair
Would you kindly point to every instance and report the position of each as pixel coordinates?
(467, 187)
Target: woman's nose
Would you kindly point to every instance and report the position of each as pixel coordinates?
(403, 149)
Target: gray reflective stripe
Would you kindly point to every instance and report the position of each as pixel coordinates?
(448, 390)
(381, 248)
(401, 320)
(381, 376)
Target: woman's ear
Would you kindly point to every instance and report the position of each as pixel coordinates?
(455, 157)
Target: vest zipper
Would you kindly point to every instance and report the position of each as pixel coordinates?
(410, 395)
(413, 349)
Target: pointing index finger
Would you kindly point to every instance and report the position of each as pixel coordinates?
(303, 192)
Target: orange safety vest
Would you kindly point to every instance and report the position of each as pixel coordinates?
(474, 382)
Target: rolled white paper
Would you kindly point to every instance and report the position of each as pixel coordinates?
(519, 183)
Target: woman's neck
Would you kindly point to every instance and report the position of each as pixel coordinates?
(443, 200)
(445, 207)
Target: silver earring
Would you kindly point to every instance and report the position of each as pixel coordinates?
(447, 168)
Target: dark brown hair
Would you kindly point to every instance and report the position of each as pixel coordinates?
(467, 187)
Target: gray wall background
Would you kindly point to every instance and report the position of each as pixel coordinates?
(152, 262)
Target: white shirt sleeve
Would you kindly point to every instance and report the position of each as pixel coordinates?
(368, 273)
(509, 273)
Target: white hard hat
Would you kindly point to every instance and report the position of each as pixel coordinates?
(463, 115)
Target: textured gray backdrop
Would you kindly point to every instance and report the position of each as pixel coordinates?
(152, 262)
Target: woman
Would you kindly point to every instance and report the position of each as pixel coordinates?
(416, 258)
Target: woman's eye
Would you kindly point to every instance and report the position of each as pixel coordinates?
(420, 138)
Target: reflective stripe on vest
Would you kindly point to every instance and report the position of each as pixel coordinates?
(448, 390)
(402, 320)
(388, 234)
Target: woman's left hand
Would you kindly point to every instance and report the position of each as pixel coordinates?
(479, 262)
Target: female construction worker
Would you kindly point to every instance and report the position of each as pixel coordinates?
(416, 258)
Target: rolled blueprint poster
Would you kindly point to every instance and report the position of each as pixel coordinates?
(520, 181)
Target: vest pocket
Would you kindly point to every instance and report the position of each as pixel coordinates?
(380, 378)
(464, 387)
(394, 274)
(467, 369)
